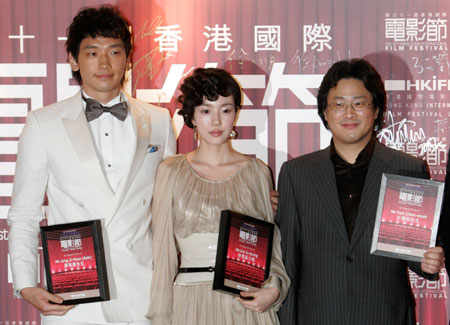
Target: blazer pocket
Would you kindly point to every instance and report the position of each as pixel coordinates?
(152, 148)
(153, 153)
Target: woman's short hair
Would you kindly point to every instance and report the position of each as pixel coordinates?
(207, 83)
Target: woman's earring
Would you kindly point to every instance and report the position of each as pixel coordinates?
(233, 134)
(195, 133)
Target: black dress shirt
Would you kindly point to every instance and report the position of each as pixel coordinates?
(350, 180)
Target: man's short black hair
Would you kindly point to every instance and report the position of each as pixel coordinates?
(210, 84)
(354, 69)
(105, 21)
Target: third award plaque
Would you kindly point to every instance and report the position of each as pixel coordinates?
(407, 217)
(244, 251)
(74, 261)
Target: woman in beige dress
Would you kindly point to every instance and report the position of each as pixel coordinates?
(190, 192)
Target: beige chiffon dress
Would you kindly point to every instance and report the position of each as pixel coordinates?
(185, 223)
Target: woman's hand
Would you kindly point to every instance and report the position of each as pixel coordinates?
(262, 299)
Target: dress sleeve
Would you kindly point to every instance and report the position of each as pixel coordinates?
(278, 277)
(165, 261)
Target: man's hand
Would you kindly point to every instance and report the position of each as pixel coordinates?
(274, 200)
(41, 298)
(262, 299)
(433, 260)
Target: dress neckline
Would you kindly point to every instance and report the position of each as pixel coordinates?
(236, 173)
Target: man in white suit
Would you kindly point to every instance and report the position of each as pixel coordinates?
(92, 162)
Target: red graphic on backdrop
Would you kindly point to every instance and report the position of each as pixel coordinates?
(267, 54)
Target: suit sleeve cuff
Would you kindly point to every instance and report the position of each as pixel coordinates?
(17, 291)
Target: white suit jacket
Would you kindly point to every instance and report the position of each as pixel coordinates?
(57, 157)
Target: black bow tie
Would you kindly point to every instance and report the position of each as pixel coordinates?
(94, 109)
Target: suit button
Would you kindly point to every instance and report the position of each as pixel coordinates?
(349, 259)
(130, 245)
(81, 204)
(144, 202)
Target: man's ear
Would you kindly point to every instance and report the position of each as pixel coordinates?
(129, 64)
(73, 63)
(325, 114)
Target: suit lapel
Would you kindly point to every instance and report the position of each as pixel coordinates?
(142, 128)
(324, 180)
(380, 163)
(78, 132)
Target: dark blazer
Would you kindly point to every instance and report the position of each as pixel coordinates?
(334, 280)
(444, 224)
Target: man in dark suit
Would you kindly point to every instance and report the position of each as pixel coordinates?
(444, 224)
(326, 213)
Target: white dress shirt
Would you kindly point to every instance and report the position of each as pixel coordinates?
(114, 141)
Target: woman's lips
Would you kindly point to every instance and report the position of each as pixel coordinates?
(216, 133)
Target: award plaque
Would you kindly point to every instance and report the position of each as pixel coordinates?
(407, 217)
(244, 250)
(74, 261)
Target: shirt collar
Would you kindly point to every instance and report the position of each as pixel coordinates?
(364, 155)
(114, 101)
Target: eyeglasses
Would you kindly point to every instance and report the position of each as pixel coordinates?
(357, 106)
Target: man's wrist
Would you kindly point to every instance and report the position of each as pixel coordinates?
(17, 291)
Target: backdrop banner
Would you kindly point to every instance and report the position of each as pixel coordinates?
(277, 50)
